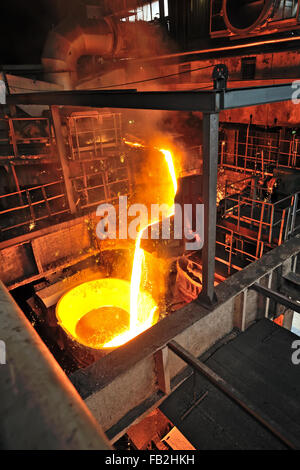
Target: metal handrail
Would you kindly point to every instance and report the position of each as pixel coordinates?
(292, 212)
(25, 195)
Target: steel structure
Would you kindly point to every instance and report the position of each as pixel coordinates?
(209, 102)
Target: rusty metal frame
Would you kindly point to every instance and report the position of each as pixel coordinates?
(24, 195)
(293, 156)
(98, 148)
(210, 102)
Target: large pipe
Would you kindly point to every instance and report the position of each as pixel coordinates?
(39, 407)
(69, 41)
(243, 16)
(107, 38)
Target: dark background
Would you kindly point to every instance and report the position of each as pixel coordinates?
(25, 24)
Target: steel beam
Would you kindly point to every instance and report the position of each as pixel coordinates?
(277, 297)
(162, 9)
(209, 101)
(159, 100)
(210, 175)
(62, 153)
(235, 396)
(243, 97)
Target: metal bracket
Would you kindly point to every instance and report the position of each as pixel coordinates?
(220, 76)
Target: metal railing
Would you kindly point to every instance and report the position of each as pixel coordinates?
(272, 223)
(93, 135)
(101, 175)
(261, 154)
(234, 244)
(102, 181)
(25, 137)
(293, 223)
(28, 206)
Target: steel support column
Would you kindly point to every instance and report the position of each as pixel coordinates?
(210, 173)
(161, 9)
(61, 148)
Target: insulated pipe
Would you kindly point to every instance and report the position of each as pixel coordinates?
(39, 407)
(106, 38)
(69, 41)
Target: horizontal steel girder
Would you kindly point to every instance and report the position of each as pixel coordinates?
(210, 101)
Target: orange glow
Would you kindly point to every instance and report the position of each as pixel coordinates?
(136, 307)
(279, 320)
(133, 144)
(169, 159)
(139, 252)
(96, 313)
(107, 313)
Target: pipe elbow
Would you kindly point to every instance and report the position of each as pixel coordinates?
(68, 42)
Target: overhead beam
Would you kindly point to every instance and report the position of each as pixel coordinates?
(209, 101)
(243, 97)
(157, 100)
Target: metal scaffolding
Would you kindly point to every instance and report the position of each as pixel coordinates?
(210, 102)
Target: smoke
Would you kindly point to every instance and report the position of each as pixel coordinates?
(143, 42)
(25, 25)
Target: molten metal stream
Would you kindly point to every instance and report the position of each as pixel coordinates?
(136, 326)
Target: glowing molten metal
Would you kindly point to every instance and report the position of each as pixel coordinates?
(96, 313)
(135, 305)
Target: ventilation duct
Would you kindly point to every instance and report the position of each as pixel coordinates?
(106, 38)
(69, 41)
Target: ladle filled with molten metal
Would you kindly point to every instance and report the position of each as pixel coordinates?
(106, 313)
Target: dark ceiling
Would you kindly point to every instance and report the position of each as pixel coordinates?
(25, 24)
